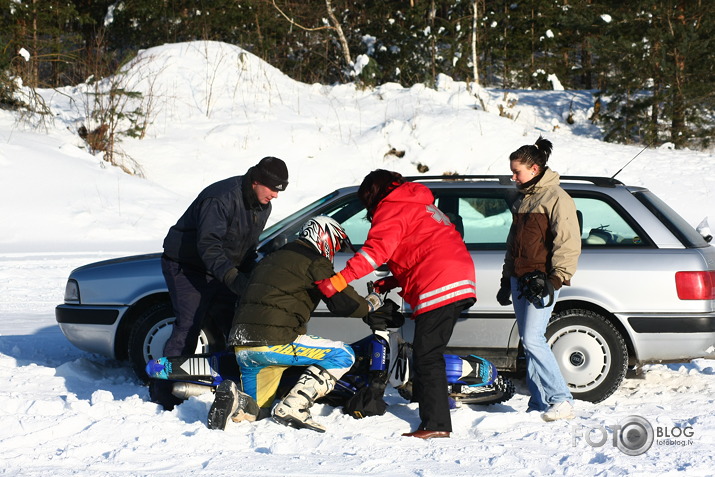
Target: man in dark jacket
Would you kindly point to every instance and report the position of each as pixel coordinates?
(269, 332)
(209, 250)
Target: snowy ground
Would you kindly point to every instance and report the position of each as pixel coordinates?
(66, 412)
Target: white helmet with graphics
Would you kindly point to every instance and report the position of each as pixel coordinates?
(326, 235)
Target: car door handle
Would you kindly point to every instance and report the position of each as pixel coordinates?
(382, 271)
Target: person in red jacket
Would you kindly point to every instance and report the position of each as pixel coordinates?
(429, 261)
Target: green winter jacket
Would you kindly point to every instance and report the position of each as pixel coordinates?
(544, 234)
(281, 294)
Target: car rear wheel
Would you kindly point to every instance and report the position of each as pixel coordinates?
(591, 353)
(151, 332)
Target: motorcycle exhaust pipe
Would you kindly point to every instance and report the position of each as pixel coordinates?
(187, 390)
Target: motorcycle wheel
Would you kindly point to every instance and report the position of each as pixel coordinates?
(500, 391)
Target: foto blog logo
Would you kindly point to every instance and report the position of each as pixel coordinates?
(633, 435)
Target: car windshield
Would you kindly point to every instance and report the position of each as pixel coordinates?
(291, 218)
(675, 223)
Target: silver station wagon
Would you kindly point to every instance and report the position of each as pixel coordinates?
(644, 291)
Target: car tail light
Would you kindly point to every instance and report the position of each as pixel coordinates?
(695, 285)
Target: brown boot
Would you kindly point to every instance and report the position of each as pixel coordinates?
(425, 434)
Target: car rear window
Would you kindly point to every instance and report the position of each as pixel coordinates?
(685, 232)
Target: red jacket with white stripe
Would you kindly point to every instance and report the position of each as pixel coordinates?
(421, 247)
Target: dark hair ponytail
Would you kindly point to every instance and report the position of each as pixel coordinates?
(534, 154)
(375, 187)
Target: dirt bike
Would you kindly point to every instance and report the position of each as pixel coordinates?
(382, 358)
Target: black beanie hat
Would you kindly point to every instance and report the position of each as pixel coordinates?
(272, 173)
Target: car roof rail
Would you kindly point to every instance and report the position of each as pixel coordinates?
(596, 180)
(503, 180)
(506, 180)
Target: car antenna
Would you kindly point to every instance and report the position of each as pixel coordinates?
(632, 159)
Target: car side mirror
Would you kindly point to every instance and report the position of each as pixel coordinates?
(273, 245)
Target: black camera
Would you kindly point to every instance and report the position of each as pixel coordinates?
(535, 286)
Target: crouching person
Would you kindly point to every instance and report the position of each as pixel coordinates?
(269, 332)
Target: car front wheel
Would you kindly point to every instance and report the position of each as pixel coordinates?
(591, 353)
(151, 332)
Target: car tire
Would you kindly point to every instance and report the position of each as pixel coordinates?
(150, 333)
(591, 353)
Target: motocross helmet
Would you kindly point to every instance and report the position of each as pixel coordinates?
(326, 235)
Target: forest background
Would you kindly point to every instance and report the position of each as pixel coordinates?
(650, 64)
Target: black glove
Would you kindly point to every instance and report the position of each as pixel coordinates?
(504, 293)
(535, 286)
(249, 262)
(384, 285)
(387, 316)
(504, 296)
(236, 281)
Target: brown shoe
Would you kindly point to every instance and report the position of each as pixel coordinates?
(425, 434)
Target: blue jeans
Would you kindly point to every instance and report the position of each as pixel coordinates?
(543, 376)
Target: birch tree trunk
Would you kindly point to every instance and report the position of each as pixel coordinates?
(341, 35)
(475, 54)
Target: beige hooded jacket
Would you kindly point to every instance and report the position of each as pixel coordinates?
(545, 234)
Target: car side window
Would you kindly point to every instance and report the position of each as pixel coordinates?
(351, 216)
(348, 211)
(604, 226)
(482, 217)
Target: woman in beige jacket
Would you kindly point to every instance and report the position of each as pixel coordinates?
(543, 247)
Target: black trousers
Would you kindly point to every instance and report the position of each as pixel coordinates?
(193, 294)
(433, 330)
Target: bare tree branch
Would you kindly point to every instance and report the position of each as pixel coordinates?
(292, 22)
(335, 26)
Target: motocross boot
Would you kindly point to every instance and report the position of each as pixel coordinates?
(294, 409)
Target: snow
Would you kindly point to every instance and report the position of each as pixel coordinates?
(555, 83)
(24, 53)
(217, 111)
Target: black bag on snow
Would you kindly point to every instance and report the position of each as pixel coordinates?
(367, 401)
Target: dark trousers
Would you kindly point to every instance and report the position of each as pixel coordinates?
(193, 294)
(433, 330)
